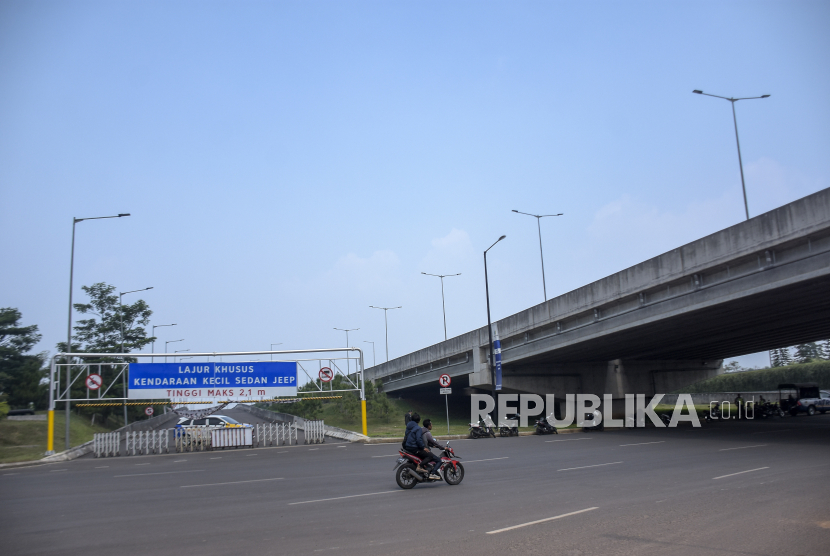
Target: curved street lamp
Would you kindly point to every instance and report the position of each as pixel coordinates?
(538, 217)
(443, 305)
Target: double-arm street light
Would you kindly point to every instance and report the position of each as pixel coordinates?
(489, 324)
(735, 121)
(121, 324)
(443, 305)
(347, 330)
(69, 324)
(538, 217)
(154, 337)
(386, 324)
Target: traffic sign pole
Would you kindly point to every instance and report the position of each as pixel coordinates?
(444, 380)
(447, 403)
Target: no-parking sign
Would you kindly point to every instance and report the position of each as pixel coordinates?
(444, 380)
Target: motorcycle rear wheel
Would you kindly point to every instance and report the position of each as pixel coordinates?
(454, 475)
(403, 478)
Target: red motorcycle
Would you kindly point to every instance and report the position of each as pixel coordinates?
(450, 469)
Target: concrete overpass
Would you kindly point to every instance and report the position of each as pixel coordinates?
(659, 325)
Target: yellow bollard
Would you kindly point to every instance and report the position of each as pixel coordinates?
(50, 434)
(363, 414)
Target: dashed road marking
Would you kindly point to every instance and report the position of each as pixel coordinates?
(540, 521)
(742, 447)
(568, 439)
(587, 466)
(488, 459)
(642, 443)
(739, 473)
(387, 456)
(344, 497)
(232, 483)
(159, 473)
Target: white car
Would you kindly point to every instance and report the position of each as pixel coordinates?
(212, 421)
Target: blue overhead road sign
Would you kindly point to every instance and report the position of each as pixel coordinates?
(222, 381)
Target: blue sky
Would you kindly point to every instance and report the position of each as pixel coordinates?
(288, 164)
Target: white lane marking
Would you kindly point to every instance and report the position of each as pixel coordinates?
(739, 473)
(56, 470)
(232, 483)
(488, 459)
(341, 446)
(569, 439)
(142, 464)
(159, 473)
(7, 474)
(103, 467)
(249, 455)
(741, 447)
(587, 466)
(540, 521)
(178, 460)
(312, 449)
(387, 456)
(344, 497)
(642, 443)
(285, 452)
(770, 432)
(220, 457)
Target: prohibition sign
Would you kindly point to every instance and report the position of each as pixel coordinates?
(148, 411)
(444, 380)
(93, 381)
(326, 375)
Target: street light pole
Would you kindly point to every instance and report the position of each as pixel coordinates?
(737, 141)
(373, 351)
(180, 351)
(272, 348)
(165, 348)
(121, 324)
(69, 324)
(152, 359)
(386, 324)
(538, 218)
(489, 324)
(443, 305)
(347, 330)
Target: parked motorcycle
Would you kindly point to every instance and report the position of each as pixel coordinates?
(544, 427)
(713, 413)
(481, 430)
(449, 470)
(507, 430)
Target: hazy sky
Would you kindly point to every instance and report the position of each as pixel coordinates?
(288, 164)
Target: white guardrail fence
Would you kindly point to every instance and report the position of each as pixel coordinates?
(197, 439)
(315, 432)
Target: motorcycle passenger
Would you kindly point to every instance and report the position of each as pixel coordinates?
(430, 442)
(413, 441)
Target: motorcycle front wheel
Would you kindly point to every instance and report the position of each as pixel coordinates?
(503, 432)
(403, 478)
(454, 475)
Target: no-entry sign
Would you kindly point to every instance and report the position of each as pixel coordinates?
(94, 381)
(326, 374)
(444, 380)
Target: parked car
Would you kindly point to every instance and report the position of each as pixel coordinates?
(804, 397)
(212, 421)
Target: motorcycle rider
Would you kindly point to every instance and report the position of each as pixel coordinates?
(426, 430)
(413, 441)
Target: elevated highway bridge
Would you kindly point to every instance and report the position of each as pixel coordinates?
(657, 326)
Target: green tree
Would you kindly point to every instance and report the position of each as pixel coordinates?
(377, 402)
(804, 353)
(775, 358)
(785, 357)
(20, 372)
(101, 333)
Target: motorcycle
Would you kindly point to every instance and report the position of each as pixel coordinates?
(507, 430)
(449, 470)
(544, 427)
(714, 412)
(481, 430)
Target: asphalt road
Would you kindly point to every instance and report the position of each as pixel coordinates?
(734, 488)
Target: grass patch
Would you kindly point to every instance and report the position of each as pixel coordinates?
(26, 440)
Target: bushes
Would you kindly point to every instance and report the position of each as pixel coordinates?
(764, 379)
